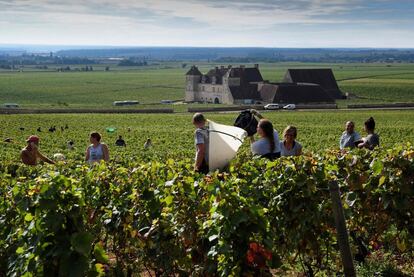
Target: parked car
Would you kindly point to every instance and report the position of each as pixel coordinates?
(271, 107)
(125, 103)
(10, 105)
(290, 107)
(167, 102)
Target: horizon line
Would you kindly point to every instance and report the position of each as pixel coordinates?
(190, 46)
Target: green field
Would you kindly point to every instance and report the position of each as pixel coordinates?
(147, 211)
(172, 133)
(372, 83)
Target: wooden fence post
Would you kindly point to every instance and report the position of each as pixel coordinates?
(342, 232)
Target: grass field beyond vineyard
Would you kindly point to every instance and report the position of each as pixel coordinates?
(372, 83)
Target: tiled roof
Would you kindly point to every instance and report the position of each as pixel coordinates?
(248, 91)
(294, 93)
(323, 77)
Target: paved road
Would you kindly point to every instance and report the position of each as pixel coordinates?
(110, 111)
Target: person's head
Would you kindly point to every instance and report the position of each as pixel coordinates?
(265, 130)
(370, 125)
(290, 133)
(120, 137)
(199, 120)
(349, 127)
(95, 137)
(148, 140)
(70, 142)
(33, 140)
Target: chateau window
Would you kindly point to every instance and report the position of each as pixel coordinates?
(202, 88)
(214, 89)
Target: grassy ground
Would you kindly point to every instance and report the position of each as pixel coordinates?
(373, 83)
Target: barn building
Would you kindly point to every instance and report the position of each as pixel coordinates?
(294, 93)
(323, 77)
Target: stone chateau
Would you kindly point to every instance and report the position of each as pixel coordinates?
(245, 85)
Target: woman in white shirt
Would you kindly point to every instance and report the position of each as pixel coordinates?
(289, 146)
(97, 151)
(268, 145)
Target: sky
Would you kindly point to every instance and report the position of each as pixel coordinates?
(210, 23)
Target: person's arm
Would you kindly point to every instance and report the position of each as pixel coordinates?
(105, 152)
(299, 151)
(255, 148)
(201, 151)
(44, 158)
(363, 143)
(256, 113)
(87, 154)
(341, 144)
(252, 139)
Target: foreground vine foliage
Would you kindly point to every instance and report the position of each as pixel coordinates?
(160, 217)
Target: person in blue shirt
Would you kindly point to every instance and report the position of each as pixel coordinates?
(349, 137)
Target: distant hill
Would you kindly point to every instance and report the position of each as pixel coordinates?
(215, 54)
(247, 54)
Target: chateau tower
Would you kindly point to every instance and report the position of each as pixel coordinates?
(192, 78)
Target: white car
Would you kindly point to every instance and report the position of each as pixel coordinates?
(271, 107)
(290, 107)
(167, 102)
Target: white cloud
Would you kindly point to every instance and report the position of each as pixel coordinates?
(196, 22)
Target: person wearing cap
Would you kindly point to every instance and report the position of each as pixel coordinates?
(30, 154)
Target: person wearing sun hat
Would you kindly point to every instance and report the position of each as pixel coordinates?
(30, 154)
